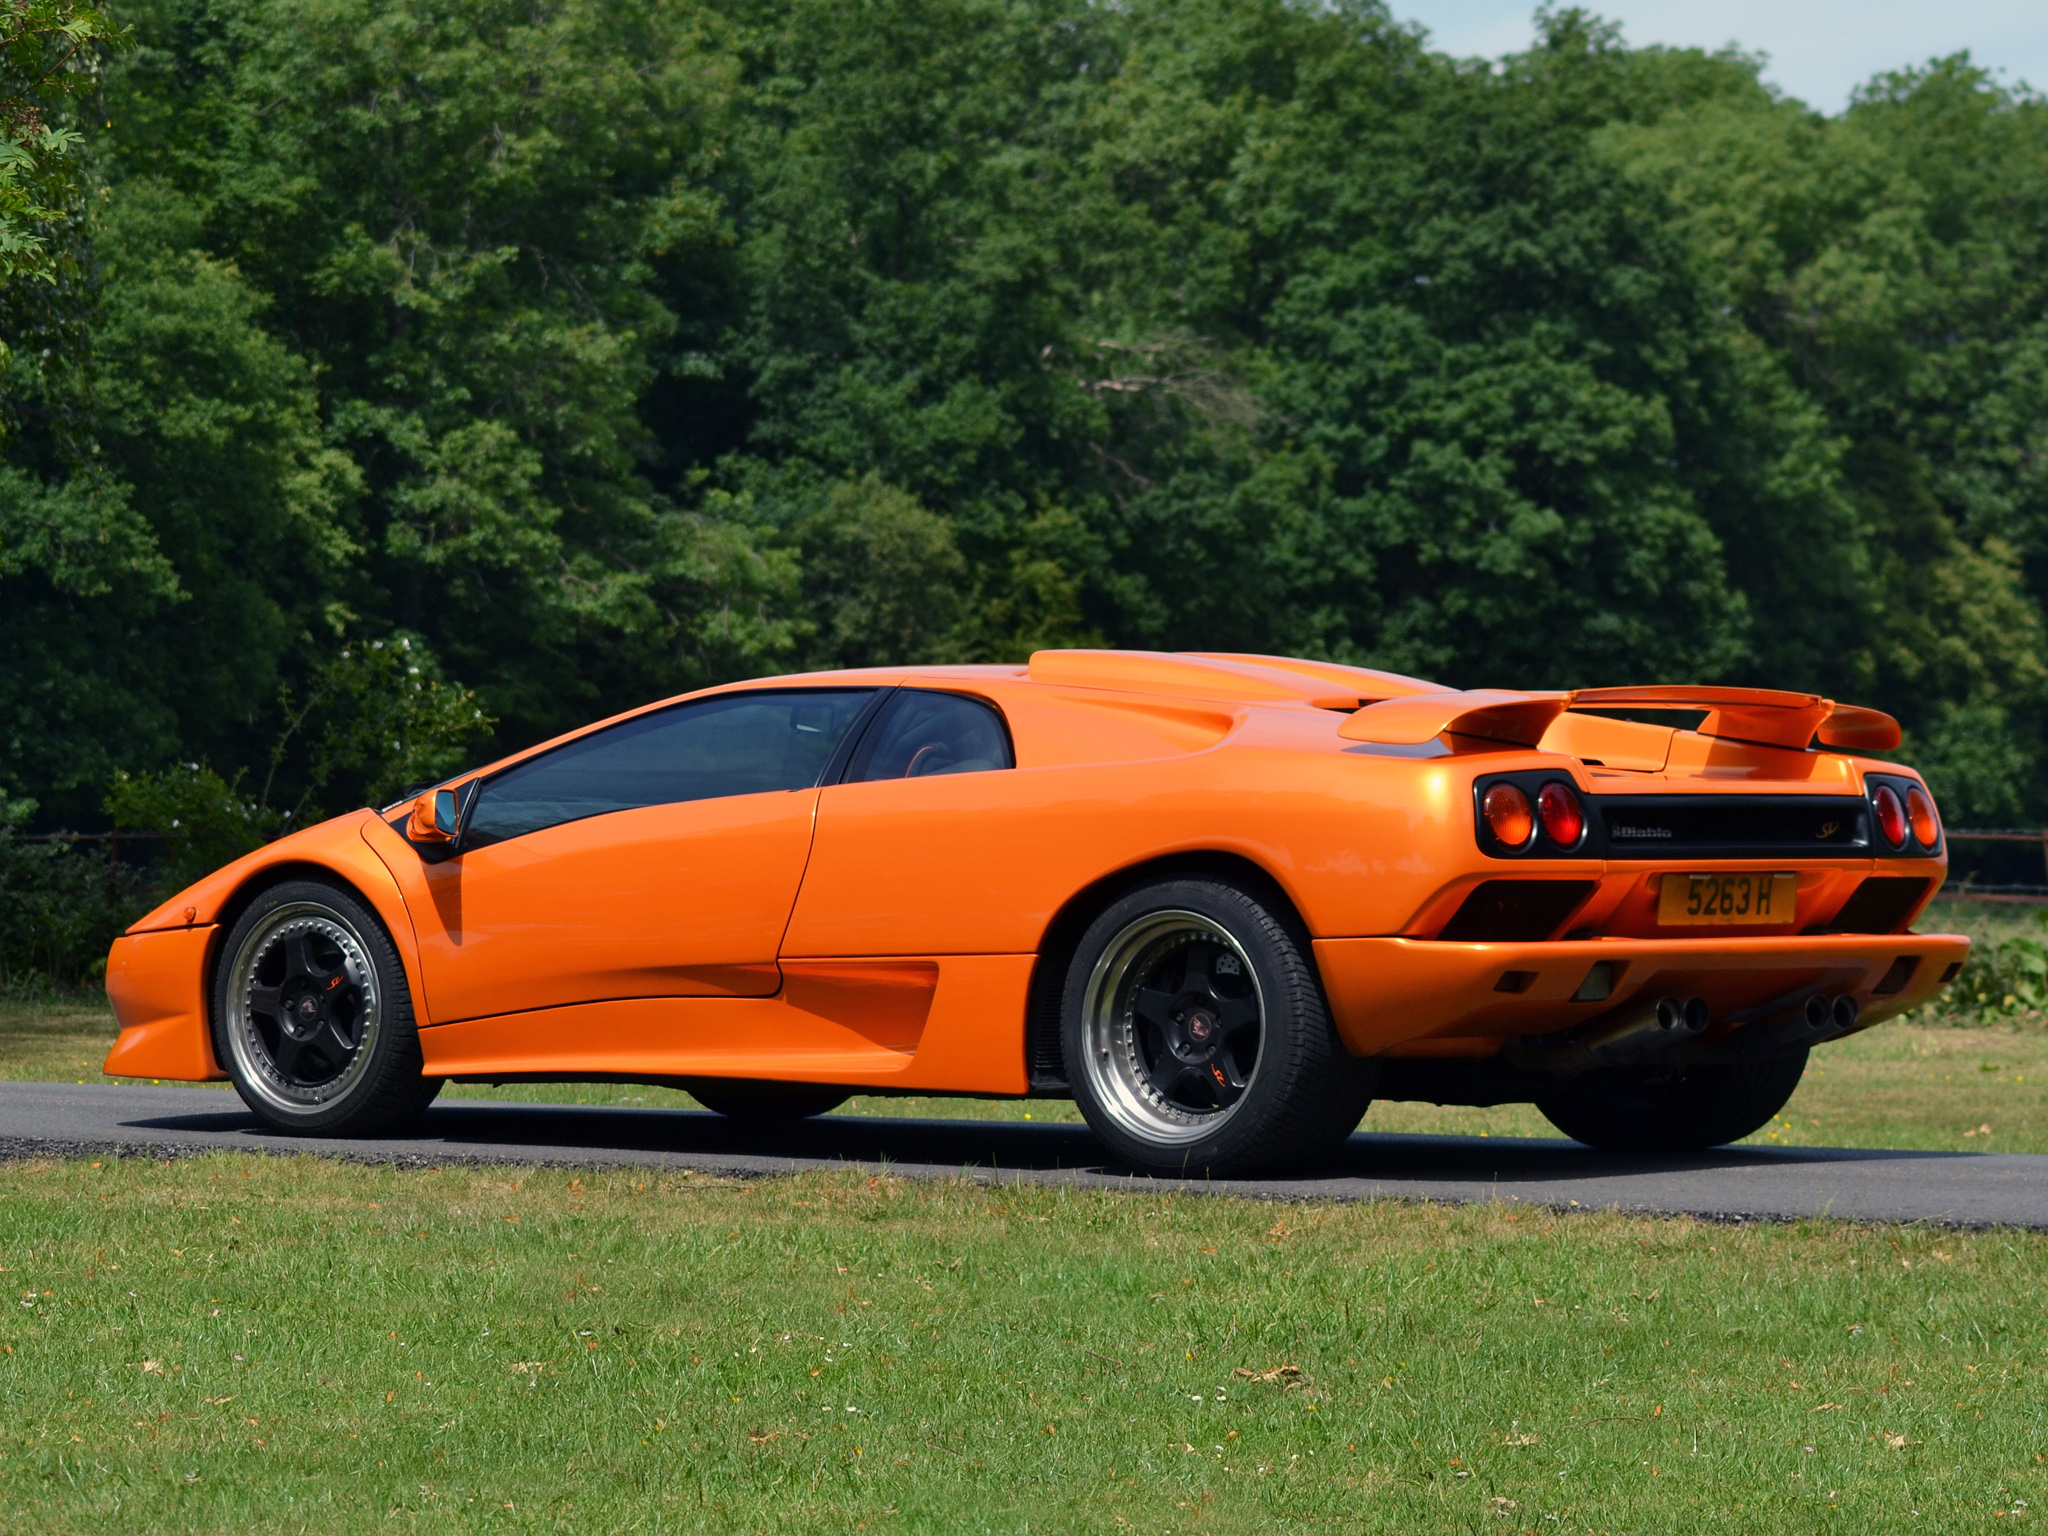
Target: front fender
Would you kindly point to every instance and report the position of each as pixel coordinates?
(159, 973)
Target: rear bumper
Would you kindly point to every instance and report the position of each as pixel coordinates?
(157, 984)
(1418, 997)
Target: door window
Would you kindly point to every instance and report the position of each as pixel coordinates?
(920, 734)
(735, 744)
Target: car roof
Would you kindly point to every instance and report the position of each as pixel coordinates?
(1213, 675)
(1217, 676)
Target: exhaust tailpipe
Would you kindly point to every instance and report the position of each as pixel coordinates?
(1667, 1026)
(1650, 1036)
(1821, 1018)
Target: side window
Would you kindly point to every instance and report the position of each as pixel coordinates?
(919, 734)
(735, 744)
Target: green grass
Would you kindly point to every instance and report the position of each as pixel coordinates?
(251, 1345)
(1909, 1084)
(1933, 1081)
(55, 1039)
(1906, 1084)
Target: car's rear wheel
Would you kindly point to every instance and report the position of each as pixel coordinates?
(746, 1099)
(1637, 1109)
(312, 1017)
(1197, 1040)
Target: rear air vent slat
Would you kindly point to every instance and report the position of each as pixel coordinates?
(1515, 911)
(1880, 905)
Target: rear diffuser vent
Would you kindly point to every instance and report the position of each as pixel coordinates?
(1880, 905)
(1515, 911)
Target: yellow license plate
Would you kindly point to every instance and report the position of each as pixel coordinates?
(1688, 901)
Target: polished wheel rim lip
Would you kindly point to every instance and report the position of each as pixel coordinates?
(260, 1070)
(1114, 1048)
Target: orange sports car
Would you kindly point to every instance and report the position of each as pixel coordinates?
(1221, 901)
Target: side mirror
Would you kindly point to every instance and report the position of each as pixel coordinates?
(435, 818)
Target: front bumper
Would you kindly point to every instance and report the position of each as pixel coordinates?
(157, 984)
(1418, 997)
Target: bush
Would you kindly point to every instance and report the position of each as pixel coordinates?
(61, 904)
(203, 821)
(2006, 978)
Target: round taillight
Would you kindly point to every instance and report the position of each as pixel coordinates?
(1920, 812)
(1564, 820)
(1891, 816)
(1507, 815)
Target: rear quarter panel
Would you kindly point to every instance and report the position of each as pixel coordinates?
(980, 863)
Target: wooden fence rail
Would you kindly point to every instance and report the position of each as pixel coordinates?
(95, 837)
(2029, 894)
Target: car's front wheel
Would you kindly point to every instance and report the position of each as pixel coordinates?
(1639, 1109)
(312, 1017)
(1197, 1040)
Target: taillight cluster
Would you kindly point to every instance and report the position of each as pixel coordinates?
(1507, 815)
(1906, 819)
(1920, 814)
(1512, 823)
(1563, 818)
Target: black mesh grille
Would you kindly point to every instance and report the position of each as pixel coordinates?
(1512, 911)
(1730, 827)
(1045, 1065)
(1880, 904)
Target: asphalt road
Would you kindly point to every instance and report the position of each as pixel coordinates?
(1772, 1183)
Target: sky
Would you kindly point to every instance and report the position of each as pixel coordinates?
(1820, 50)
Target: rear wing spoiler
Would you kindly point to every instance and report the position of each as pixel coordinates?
(1764, 716)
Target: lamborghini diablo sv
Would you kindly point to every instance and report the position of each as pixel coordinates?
(1221, 901)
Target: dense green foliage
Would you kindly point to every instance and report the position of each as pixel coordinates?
(47, 52)
(593, 351)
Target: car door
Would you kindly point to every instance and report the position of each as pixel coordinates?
(658, 857)
(910, 856)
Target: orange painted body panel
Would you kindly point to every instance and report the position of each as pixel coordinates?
(1391, 996)
(955, 1024)
(682, 900)
(981, 863)
(885, 933)
(157, 984)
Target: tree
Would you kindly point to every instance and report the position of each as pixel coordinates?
(48, 49)
(598, 351)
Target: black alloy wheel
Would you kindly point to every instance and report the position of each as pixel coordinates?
(1197, 1039)
(312, 1016)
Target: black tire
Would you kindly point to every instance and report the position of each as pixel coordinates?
(1197, 1039)
(747, 1099)
(312, 1017)
(1636, 1109)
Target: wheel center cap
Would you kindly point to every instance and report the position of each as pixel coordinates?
(308, 1010)
(1199, 1034)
